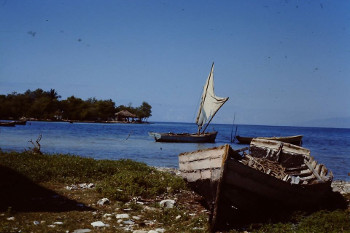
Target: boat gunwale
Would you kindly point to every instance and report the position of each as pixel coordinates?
(201, 150)
(295, 139)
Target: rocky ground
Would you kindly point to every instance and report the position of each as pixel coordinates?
(93, 214)
(341, 186)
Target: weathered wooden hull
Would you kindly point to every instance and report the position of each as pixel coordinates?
(202, 170)
(239, 189)
(185, 137)
(246, 195)
(295, 140)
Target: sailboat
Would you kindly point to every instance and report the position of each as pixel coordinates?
(209, 106)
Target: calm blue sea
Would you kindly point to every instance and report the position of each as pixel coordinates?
(330, 146)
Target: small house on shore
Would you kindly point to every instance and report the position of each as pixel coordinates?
(125, 116)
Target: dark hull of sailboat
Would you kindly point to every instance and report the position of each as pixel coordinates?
(7, 124)
(185, 137)
(20, 122)
(295, 140)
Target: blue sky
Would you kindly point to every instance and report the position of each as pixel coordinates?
(281, 62)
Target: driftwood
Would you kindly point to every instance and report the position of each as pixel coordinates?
(37, 146)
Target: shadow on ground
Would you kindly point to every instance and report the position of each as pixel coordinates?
(19, 193)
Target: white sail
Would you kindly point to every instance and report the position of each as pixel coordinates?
(210, 103)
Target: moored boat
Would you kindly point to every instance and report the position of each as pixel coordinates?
(209, 106)
(185, 137)
(7, 123)
(273, 179)
(296, 140)
(21, 122)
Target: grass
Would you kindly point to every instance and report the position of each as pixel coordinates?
(119, 180)
(123, 182)
(139, 180)
(321, 221)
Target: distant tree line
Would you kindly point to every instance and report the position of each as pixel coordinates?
(42, 104)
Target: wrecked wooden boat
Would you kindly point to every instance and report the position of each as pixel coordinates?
(271, 180)
(296, 140)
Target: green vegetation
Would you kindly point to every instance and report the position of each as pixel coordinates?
(50, 175)
(119, 180)
(41, 104)
(137, 179)
(322, 221)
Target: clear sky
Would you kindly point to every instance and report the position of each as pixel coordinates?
(281, 62)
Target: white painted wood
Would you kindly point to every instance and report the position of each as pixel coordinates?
(275, 145)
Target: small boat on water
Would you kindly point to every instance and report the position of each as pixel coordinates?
(185, 137)
(272, 179)
(296, 140)
(209, 106)
(7, 123)
(20, 122)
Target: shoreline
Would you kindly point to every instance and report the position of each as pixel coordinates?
(107, 122)
(78, 121)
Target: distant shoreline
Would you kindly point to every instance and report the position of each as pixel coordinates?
(78, 121)
(175, 122)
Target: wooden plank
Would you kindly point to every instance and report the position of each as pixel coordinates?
(312, 168)
(318, 169)
(275, 145)
(306, 172)
(324, 172)
(310, 160)
(201, 164)
(201, 154)
(191, 177)
(206, 174)
(313, 164)
(211, 174)
(242, 149)
(308, 178)
(286, 154)
(291, 169)
(219, 191)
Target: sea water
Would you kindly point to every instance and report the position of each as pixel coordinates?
(330, 146)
